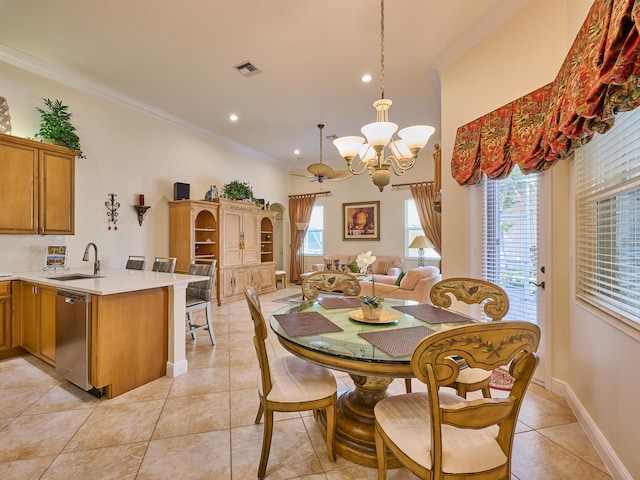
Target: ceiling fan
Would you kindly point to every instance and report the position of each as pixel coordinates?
(321, 172)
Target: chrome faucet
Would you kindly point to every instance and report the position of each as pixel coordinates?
(96, 263)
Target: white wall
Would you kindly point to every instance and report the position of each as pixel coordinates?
(594, 358)
(128, 153)
(361, 189)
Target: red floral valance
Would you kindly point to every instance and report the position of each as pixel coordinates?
(599, 78)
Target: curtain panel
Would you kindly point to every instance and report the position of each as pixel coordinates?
(424, 194)
(300, 208)
(599, 78)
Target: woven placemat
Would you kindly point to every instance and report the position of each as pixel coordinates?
(339, 302)
(433, 315)
(398, 342)
(306, 323)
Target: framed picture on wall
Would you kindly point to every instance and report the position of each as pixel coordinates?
(361, 221)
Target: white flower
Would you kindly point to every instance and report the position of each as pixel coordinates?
(364, 261)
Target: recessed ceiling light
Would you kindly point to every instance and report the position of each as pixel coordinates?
(366, 78)
(296, 152)
(233, 117)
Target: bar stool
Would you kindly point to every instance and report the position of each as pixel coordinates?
(164, 264)
(281, 276)
(136, 262)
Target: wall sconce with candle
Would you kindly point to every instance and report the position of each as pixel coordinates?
(141, 209)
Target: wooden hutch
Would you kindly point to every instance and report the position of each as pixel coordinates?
(238, 235)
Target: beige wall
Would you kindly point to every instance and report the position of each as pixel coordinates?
(128, 153)
(593, 358)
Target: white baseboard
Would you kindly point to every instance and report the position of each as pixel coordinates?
(600, 443)
(177, 369)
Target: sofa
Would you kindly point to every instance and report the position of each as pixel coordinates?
(385, 269)
(415, 285)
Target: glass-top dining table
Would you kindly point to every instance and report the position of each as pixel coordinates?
(331, 331)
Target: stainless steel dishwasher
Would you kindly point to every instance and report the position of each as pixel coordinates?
(73, 337)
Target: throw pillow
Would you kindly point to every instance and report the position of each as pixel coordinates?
(353, 266)
(402, 274)
(382, 268)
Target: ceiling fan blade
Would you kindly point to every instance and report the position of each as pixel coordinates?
(312, 177)
(341, 175)
(320, 170)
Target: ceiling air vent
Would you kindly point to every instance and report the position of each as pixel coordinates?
(247, 69)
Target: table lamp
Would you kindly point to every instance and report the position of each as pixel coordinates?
(420, 242)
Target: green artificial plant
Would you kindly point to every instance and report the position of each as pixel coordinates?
(237, 190)
(56, 126)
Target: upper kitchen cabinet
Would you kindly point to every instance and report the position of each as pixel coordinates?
(36, 187)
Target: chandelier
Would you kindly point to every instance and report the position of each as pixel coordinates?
(372, 156)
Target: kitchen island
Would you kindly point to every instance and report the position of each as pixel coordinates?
(137, 328)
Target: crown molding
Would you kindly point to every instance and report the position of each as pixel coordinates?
(83, 84)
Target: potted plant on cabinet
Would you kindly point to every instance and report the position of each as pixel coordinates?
(56, 126)
(237, 190)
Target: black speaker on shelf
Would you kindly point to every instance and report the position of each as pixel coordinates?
(181, 191)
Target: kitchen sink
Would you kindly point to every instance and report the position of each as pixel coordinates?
(74, 276)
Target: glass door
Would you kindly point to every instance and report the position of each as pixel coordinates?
(513, 247)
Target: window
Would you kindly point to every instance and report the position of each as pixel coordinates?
(412, 230)
(607, 186)
(313, 240)
(511, 238)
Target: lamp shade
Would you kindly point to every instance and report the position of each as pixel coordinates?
(348, 146)
(379, 133)
(417, 136)
(420, 242)
(366, 152)
(301, 226)
(400, 150)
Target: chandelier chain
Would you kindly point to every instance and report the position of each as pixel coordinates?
(381, 48)
(321, 126)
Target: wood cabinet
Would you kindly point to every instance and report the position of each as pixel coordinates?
(5, 316)
(239, 237)
(233, 233)
(265, 279)
(241, 245)
(129, 339)
(36, 314)
(36, 187)
(193, 232)
(267, 219)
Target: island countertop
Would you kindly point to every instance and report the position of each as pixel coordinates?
(110, 281)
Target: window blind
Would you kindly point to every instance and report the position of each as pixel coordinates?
(608, 220)
(510, 236)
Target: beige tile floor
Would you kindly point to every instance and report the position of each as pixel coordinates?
(200, 425)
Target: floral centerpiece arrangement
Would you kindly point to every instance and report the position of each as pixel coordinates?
(371, 305)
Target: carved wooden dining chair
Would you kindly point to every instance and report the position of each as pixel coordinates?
(198, 297)
(439, 435)
(470, 291)
(164, 264)
(289, 384)
(330, 281)
(496, 305)
(136, 262)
